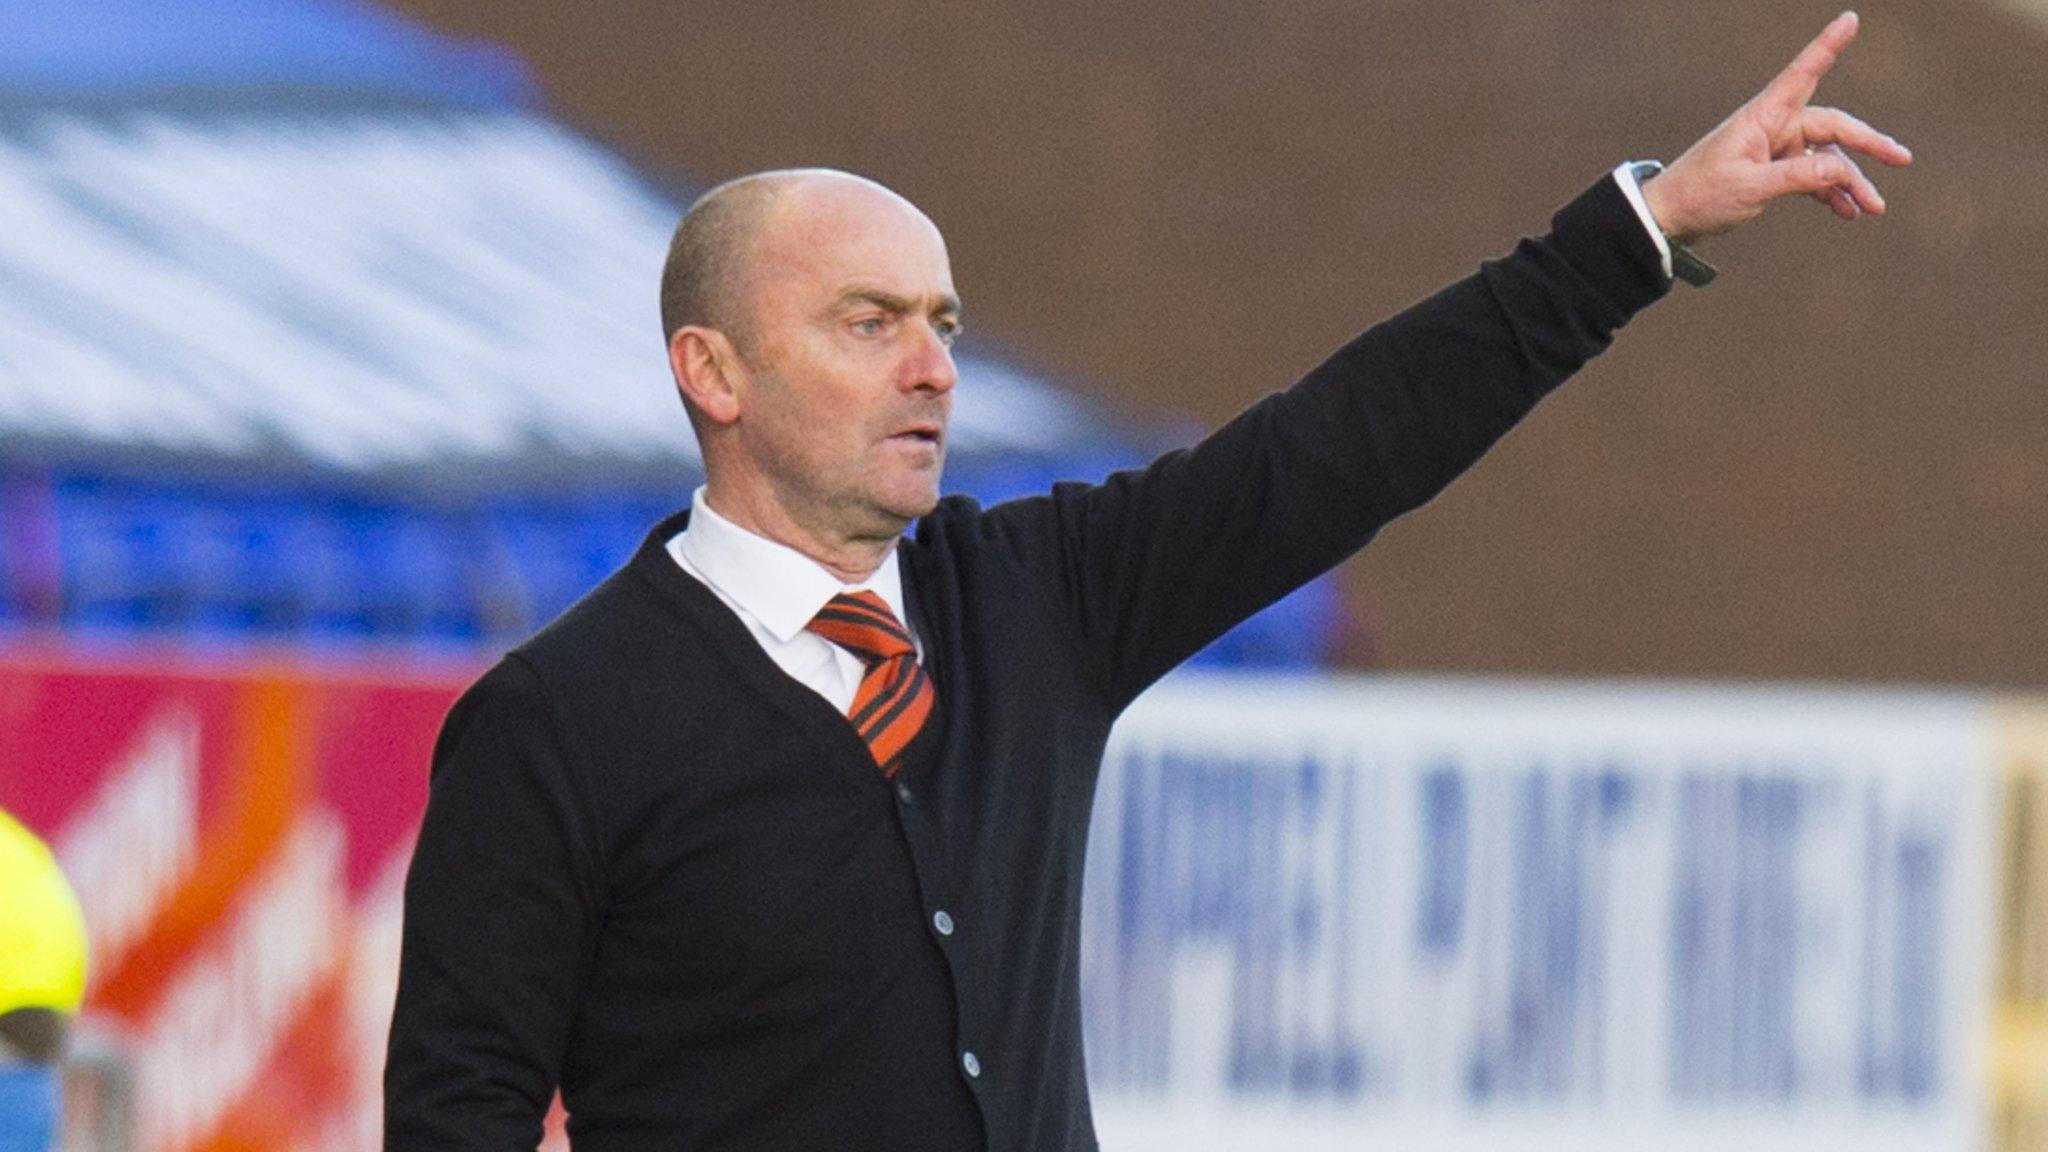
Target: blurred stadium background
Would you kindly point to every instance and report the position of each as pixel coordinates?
(329, 367)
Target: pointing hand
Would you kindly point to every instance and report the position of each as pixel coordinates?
(1776, 145)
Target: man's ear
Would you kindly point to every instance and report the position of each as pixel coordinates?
(708, 372)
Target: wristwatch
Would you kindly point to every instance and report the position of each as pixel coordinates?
(1685, 263)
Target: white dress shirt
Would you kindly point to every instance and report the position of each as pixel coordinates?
(1633, 189)
(775, 590)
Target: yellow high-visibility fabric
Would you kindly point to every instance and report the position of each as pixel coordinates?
(42, 930)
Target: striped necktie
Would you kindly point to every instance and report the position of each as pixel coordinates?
(895, 697)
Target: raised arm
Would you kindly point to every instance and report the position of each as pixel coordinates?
(1158, 562)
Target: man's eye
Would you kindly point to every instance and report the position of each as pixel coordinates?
(949, 331)
(870, 326)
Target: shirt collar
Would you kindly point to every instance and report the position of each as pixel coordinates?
(780, 586)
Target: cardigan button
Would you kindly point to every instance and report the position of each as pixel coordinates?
(943, 922)
(903, 792)
(972, 1063)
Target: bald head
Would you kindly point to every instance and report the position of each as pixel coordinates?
(811, 316)
(718, 244)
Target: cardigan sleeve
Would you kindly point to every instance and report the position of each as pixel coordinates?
(1155, 563)
(501, 907)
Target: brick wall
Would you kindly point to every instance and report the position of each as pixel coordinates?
(1833, 464)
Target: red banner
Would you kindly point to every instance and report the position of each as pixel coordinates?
(238, 833)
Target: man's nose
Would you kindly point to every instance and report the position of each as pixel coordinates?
(931, 367)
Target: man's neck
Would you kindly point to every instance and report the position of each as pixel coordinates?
(851, 559)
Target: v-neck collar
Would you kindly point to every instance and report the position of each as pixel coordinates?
(727, 635)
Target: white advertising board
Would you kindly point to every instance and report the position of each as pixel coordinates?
(1414, 914)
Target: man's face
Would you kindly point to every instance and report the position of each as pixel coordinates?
(849, 370)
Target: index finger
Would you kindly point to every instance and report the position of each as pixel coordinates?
(1793, 87)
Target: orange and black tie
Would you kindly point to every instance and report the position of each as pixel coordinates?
(895, 697)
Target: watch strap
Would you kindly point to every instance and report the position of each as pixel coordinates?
(1686, 264)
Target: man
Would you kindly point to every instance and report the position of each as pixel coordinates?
(775, 840)
(42, 983)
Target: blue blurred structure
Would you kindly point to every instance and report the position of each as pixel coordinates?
(314, 329)
(158, 48)
(316, 563)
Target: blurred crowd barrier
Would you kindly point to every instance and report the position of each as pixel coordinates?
(324, 565)
(1453, 914)
(1320, 913)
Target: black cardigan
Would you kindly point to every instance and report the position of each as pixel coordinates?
(657, 872)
